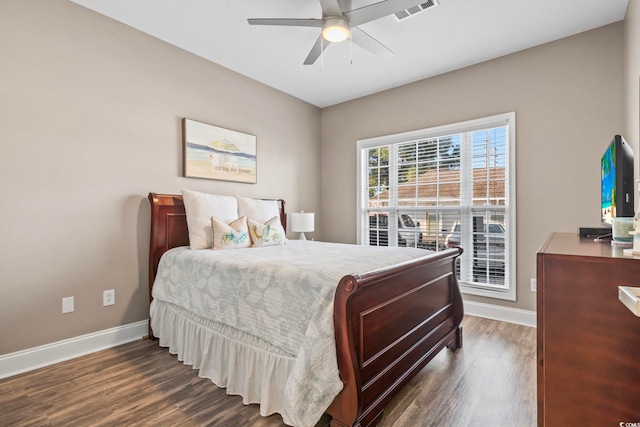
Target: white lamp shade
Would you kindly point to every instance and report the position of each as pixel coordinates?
(301, 222)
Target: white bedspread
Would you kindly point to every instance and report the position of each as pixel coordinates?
(282, 294)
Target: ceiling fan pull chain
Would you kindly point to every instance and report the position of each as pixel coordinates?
(321, 54)
(350, 47)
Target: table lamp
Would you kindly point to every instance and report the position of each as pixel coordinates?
(301, 222)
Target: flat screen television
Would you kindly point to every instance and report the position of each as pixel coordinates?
(616, 169)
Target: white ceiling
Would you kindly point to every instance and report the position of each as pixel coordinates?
(455, 34)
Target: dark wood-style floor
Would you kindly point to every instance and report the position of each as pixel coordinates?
(491, 381)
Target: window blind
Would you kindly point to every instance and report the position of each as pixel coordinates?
(440, 188)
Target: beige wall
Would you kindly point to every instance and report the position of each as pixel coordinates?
(90, 123)
(632, 77)
(568, 99)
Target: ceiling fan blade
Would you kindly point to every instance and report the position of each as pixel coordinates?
(287, 22)
(378, 10)
(367, 42)
(345, 5)
(330, 8)
(316, 50)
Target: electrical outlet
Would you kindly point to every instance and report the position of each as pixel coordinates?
(67, 305)
(534, 285)
(109, 297)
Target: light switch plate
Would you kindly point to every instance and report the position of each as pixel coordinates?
(630, 297)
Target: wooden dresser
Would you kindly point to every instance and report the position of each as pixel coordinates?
(588, 341)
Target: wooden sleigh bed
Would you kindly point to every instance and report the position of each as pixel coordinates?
(388, 324)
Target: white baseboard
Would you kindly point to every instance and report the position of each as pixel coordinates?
(504, 314)
(49, 354)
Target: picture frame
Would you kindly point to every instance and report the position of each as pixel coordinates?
(213, 152)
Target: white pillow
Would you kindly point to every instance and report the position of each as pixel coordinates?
(257, 210)
(200, 207)
(234, 235)
(268, 234)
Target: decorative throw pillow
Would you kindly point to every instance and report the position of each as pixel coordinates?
(200, 207)
(234, 235)
(267, 234)
(256, 209)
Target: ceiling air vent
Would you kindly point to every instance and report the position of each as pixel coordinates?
(407, 13)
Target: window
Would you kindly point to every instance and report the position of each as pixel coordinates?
(442, 187)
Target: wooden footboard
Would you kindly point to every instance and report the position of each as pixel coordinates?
(389, 324)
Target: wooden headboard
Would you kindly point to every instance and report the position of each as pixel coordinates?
(169, 228)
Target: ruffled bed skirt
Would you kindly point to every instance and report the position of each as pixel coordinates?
(242, 363)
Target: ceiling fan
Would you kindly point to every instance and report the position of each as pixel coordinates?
(339, 22)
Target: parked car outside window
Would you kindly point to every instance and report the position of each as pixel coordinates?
(496, 234)
(409, 232)
(488, 256)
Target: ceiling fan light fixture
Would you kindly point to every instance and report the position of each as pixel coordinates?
(336, 30)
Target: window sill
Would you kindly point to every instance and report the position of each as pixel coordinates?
(509, 295)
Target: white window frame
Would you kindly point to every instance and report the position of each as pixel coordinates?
(508, 119)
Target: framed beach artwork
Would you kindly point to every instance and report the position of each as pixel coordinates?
(212, 152)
